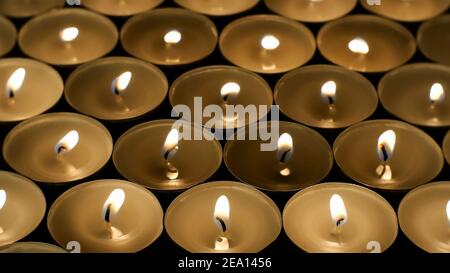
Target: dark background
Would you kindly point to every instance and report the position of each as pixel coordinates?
(164, 245)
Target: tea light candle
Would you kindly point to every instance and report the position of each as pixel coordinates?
(302, 158)
(339, 217)
(27, 8)
(29, 88)
(68, 36)
(267, 43)
(429, 39)
(388, 154)
(324, 96)
(232, 86)
(366, 43)
(121, 7)
(408, 10)
(58, 147)
(223, 217)
(418, 93)
(424, 216)
(32, 247)
(177, 36)
(116, 88)
(312, 11)
(218, 7)
(446, 147)
(8, 35)
(155, 155)
(22, 207)
(121, 217)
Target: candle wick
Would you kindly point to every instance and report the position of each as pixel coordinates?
(108, 214)
(284, 156)
(385, 153)
(61, 149)
(222, 224)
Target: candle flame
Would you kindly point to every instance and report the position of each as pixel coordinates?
(121, 82)
(222, 213)
(15, 82)
(448, 211)
(69, 34)
(437, 93)
(229, 89)
(67, 143)
(170, 146)
(172, 37)
(328, 92)
(386, 145)
(2, 198)
(270, 42)
(338, 211)
(285, 148)
(113, 204)
(358, 45)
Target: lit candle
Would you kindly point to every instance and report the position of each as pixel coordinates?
(22, 207)
(429, 39)
(22, 78)
(116, 88)
(313, 11)
(324, 96)
(218, 7)
(339, 217)
(223, 86)
(408, 10)
(223, 217)
(354, 43)
(446, 147)
(31, 247)
(418, 93)
(388, 154)
(301, 158)
(64, 147)
(267, 43)
(177, 36)
(155, 155)
(121, 7)
(424, 216)
(68, 36)
(121, 217)
(27, 8)
(8, 35)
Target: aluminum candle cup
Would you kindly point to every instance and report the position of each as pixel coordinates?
(223, 86)
(22, 207)
(410, 10)
(326, 96)
(429, 39)
(340, 217)
(223, 217)
(388, 154)
(121, 7)
(106, 216)
(418, 93)
(312, 11)
(177, 36)
(116, 88)
(29, 88)
(155, 155)
(58, 147)
(8, 35)
(366, 43)
(68, 37)
(302, 158)
(446, 147)
(32, 247)
(424, 216)
(218, 7)
(27, 8)
(267, 43)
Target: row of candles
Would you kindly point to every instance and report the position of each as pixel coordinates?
(261, 43)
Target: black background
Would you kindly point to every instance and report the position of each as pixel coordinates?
(164, 245)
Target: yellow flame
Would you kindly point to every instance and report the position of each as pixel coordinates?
(448, 211)
(15, 82)
(285, 147)
(230, 89)
(171, 144)
(337, 210)
(121, 83)
(172, 37)
(386, 145)
(69, 34)
(2, 198)
(358, 45)
(222, 211)
(437, 93)
(328, 92)
(113, 203)
(270, 42)
(67, 143)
